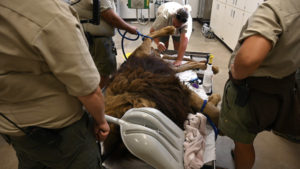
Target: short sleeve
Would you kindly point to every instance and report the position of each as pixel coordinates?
(61, 43)
(105, 5)
(85, 7)
(188, 27)
(264, 22)
(159, 22)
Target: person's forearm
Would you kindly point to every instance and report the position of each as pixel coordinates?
(242, 68)
(94, 103)
(182, 48)
(251, 54)
(115, 20)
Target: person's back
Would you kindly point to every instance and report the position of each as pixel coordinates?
(169, 8)
(261, 93)
(177, 15)
(283, 59)
(46, 71)
(32, 92)
(100, 36)
(85, 11)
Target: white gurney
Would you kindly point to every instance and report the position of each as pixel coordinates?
(154, 138)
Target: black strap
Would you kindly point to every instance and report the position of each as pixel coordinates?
(96, 14)
(13, 123)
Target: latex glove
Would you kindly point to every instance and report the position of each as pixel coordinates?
(161, 47)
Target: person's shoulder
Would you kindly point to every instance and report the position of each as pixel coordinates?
(106, 4)
(286, 7)
(37, 11)
(173, 6)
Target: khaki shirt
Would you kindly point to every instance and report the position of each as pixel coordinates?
(85, 11)
(279, 22)
(44, 64)
(164, 16)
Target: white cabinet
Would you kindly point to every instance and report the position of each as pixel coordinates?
(223, 1)
(217, 15)
(232, 25)
(246, 15)
(228, 18)
(240, 4)
(251, 5)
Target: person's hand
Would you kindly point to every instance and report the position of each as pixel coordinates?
(101, 130)
(132, 30)
(177, 63)
(161, 47)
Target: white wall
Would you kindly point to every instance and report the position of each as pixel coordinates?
(195, 7)
(229, 16)
(127, 13)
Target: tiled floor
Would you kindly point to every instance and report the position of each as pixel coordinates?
(272, 152)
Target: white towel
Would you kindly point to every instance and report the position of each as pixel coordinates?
(194, 144)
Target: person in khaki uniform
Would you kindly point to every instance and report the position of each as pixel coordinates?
(47, 74)
(261, 93)
(102, 46)
(177, 15)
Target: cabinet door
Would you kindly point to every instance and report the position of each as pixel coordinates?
(246, 16)
(240, 4)
(223, 1)
(217, 18)
(230, 2)
(214, 16)
(228, 25)
(251, 5)
(233, 26)
(238, 25)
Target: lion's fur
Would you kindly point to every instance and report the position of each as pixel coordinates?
(145, 80)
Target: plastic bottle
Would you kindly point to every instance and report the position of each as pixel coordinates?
(207, 77)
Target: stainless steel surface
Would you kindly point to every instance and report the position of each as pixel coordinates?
(205, 9)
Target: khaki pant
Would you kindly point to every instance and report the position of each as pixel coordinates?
(272, 104)
(233, 118)
(104, 54)
(77, 149)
